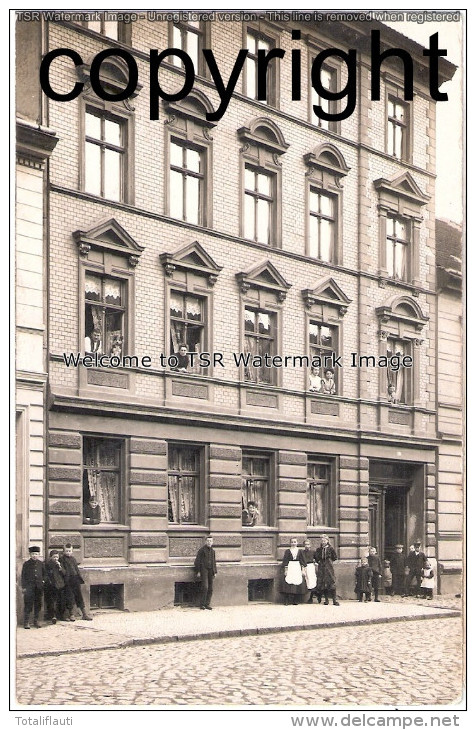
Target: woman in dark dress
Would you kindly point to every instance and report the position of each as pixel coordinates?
(293, 583)
(325, 556)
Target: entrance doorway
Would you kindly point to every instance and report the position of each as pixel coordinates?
(387, 517)
(391, 505)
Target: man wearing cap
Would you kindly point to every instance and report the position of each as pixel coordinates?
(415, 563)
(32, 581)
(397, 567)
(206, 566)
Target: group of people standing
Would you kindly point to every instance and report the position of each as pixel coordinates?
(304, 571)
(59, 580)
(402, 575)
(307, 570)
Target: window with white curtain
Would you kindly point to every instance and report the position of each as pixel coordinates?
(399, 380)
(318, 492)
(105, 311)
(102, 486)
(260, 340)
(187, 325)
(183, 484)
(256, 484)
(397, 248)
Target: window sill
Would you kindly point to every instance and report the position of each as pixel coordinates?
(322, 530)
(258, 528)
(188, 528)
(105, 527)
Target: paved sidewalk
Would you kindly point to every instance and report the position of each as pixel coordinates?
(120, 629)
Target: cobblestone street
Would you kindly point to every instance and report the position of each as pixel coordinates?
(404, 663)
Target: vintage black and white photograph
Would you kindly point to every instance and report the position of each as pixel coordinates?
(239, 362)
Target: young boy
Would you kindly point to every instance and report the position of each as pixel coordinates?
(73, 581)
(376, 566)
(32, 582)
(53, 586)
(363, 581)
(397, 566)
(387, 577)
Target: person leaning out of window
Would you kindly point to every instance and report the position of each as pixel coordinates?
(93, 344)
(182, 359)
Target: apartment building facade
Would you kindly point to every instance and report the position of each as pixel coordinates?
(270, 232)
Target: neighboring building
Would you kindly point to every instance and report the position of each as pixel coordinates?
(34, 145)
(269, 231)
(450, 404)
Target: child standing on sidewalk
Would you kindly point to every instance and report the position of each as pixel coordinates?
(387, 577)
(53, 587)
(427, 581)
(73, 581)
(309, 569)
(376, 566)
(363, 580)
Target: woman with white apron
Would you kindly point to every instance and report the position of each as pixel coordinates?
(293, 564)
(309, 569)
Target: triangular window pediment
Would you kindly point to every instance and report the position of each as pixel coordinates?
(403, 185)
(264, 276)
(108, 235)
(192, 257)
(327, 292)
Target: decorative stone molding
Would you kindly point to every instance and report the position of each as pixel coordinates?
(327, 292)
(108, 235)
(263, 275)
(191, 257)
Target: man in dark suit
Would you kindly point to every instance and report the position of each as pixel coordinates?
(206, 567)
(32, 581)
(415, 563)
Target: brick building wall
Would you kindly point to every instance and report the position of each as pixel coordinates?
(225, 418)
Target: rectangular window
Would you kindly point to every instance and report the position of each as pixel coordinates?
(323, 343)
(104, 165)
(318, 493)
(322, 225)
(188, 36)
(187, 174)
(257, 42)
(398, 241)
(397, 128)
(329, 82)
(109, 28)
(259, 205)
(260, 340)
(256, 484)
(104, 315)
(183, 484)
(399, 381)
(101, 480)
(187, 326)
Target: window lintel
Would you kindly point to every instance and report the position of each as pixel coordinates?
(319, 160)
(191, 110)
(263, 276)
(403, 186)
(191, 257)
(108, 235)
(115, 80)
(395, 310)
(251, 136)
(327, 292)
